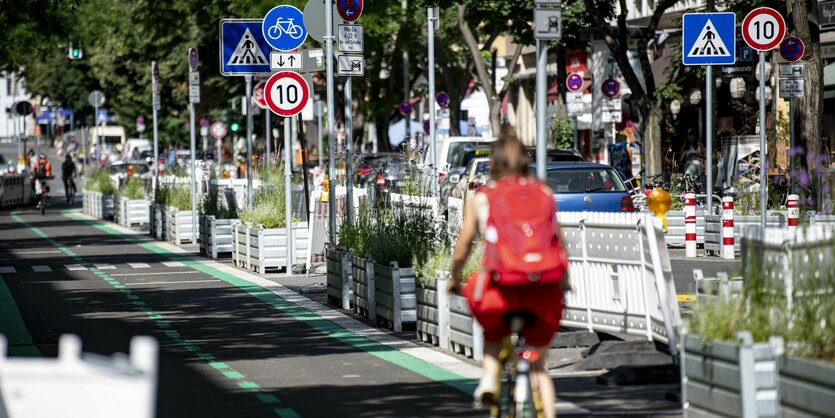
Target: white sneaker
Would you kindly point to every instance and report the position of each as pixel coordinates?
(486, 393)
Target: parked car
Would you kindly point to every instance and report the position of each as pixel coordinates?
(476, 175)
(371, 166)
(119, 171)
(460, 160)
(555, 155)
(581, 186)
(447, 148)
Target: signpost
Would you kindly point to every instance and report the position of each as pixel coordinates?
(260, 100)
(280, 61)
(286, 93)
(350, 65)
(791, 87)
(96, 99)
(283, 28)
(350, 38)
(193, 98)
(218, 130)
(156, 105)
(243, 49)
(792, 49)
(547, 26)
(763, 29)
(443, 99)
(405, 108)
(350, 10)
(313, 60)
(709, 39)
(315, 17)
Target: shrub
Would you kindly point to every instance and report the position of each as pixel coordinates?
(267, 209)
(403, 235)
(441, 259)
(99, 181)
(175, 196)
(213, 205)
(356, 235)
(133, 189)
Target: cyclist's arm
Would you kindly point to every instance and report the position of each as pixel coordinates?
(463, 246)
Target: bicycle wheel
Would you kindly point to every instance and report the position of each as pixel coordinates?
(274, 32)
(44, 199)
(295, 31)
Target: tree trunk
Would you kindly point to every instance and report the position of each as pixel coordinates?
(481, 70)
(651, 139)
(809, 108)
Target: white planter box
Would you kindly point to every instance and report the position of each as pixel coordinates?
(365, 296)
(131, 213)
(215, 236)
(180, 226)
(160, 228)
(340, 284)
(465, 334)
(240, 249)
(445, 320)
(268, 247)
(428, 326)
(395, 295)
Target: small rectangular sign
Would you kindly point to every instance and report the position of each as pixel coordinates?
(612, 104)
(791, 88)
(575, 108)
(285, 61)
(350, 38)
(157, 103)
(548, 23)
(791, 70)
(313, 60)
(350, 65)
(609, 117)
(573, 96)
(194, 87)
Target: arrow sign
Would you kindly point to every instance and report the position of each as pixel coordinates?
(285, 61)
(792, 49)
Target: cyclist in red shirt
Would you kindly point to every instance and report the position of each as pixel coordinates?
(524, 263)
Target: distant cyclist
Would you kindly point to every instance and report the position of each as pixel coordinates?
(523, 265)
(68, 173)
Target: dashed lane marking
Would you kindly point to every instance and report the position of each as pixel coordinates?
(174, 282)
(105, 266)
(7, 270)
(173, 264)
(154, 274)
(41, 269)
(75, 267)
(140, 265)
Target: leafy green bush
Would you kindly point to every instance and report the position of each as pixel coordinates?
(404, 235)
(133, 189)
(175, 196)
(356, 235)
(99, 181)
(213, 205)
(441, 259)
(267, 209)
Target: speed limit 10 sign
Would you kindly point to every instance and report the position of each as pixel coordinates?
(287, 93)
(763, 29)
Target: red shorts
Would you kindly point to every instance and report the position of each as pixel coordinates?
(543, 300)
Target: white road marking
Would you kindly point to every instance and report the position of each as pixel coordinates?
(173, 264)
(105, 266)
(140, 265)
(75, 267)
(7, 270)
(38, 252)
(155, 274)
(41, 269)
(181, 282)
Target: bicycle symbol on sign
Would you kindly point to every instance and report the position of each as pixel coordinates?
(285, 26)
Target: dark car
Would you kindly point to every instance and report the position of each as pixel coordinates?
(462, 158)
(371, 167)
(556, 155)
(581, 186)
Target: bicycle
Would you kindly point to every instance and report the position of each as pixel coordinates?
(69, 187)
(285, 26)
(517, 397)
(42, 189)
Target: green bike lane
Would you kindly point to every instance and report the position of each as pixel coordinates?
(229, 346)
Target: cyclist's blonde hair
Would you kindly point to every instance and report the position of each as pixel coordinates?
(509, 156)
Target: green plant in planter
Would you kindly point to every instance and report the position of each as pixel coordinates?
(99, 181)
(133, 189)
(441, 260)
(161, 197)
(178, 197)
(402, 235)
(212, 205)
(267, 209)
(356, 235)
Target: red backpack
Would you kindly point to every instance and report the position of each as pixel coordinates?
(521, 243)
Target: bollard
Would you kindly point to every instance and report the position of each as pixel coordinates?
(793, 206)
(690, 225)
(728, 251)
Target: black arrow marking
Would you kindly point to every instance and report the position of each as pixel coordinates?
(292, 59)
(280, 60)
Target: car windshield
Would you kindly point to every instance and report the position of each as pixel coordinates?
(483, 168)
(2, 160)
(585, 180)
(468, 154)
(454, 148)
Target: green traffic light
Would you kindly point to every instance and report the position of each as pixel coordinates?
(235, 126)
(75, 52)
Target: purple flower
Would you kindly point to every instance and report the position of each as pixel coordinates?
(796, 150)
(804, 178)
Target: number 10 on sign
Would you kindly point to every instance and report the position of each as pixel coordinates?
(287, 93)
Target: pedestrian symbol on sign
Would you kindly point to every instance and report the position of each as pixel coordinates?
(247, 52)
(708, 44)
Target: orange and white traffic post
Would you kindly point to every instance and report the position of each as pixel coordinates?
(690, 225)
(728, 252)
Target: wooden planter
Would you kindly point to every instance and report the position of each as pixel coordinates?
(433, 312)
(160, 228)
(215, 236)
(180, 226)
(465, 334)
(268, 247)
(730, 379)
(807, 388)
(131, 213)
(340, 283)
(395, 293)
(240, 249)
(365, 296)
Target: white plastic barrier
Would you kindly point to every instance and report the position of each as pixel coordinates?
(413, 203)
(13, 190)
(620, 275)
(455, 214)
(76, 386)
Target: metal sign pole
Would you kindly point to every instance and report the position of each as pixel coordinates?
(431, 19)
(288, 196)
(331, 140)
(349, 148)
(763, 151)
(248, 141)
(709, 136)
(154, 98)
(193, 136)
(319, 112)
(95, 128)
(267, 131)
(541, 95)
(792, 146)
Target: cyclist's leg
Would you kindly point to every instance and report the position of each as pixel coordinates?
(543, 384)
(490, 370)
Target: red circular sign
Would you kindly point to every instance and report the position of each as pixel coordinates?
(763, 29)
(287, 93)
(574, 82)
(610, 88)
(218, 130)
(792, 49)
(349, 10)
(258, 96)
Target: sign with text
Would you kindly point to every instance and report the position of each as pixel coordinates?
(350, 38)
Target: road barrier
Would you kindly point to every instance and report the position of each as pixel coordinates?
(690, 225)
(728, 251)
(76, 385)
(14, 190)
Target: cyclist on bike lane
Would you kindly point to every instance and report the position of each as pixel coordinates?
(42, 172)
(523, 265)
(68, 172)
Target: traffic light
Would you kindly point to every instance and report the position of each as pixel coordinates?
(235, 126)
(74, 53)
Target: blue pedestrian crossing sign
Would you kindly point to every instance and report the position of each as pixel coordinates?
(708, 38)
(284, 29)
(243, 49)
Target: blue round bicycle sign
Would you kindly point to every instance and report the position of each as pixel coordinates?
(283, 28)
